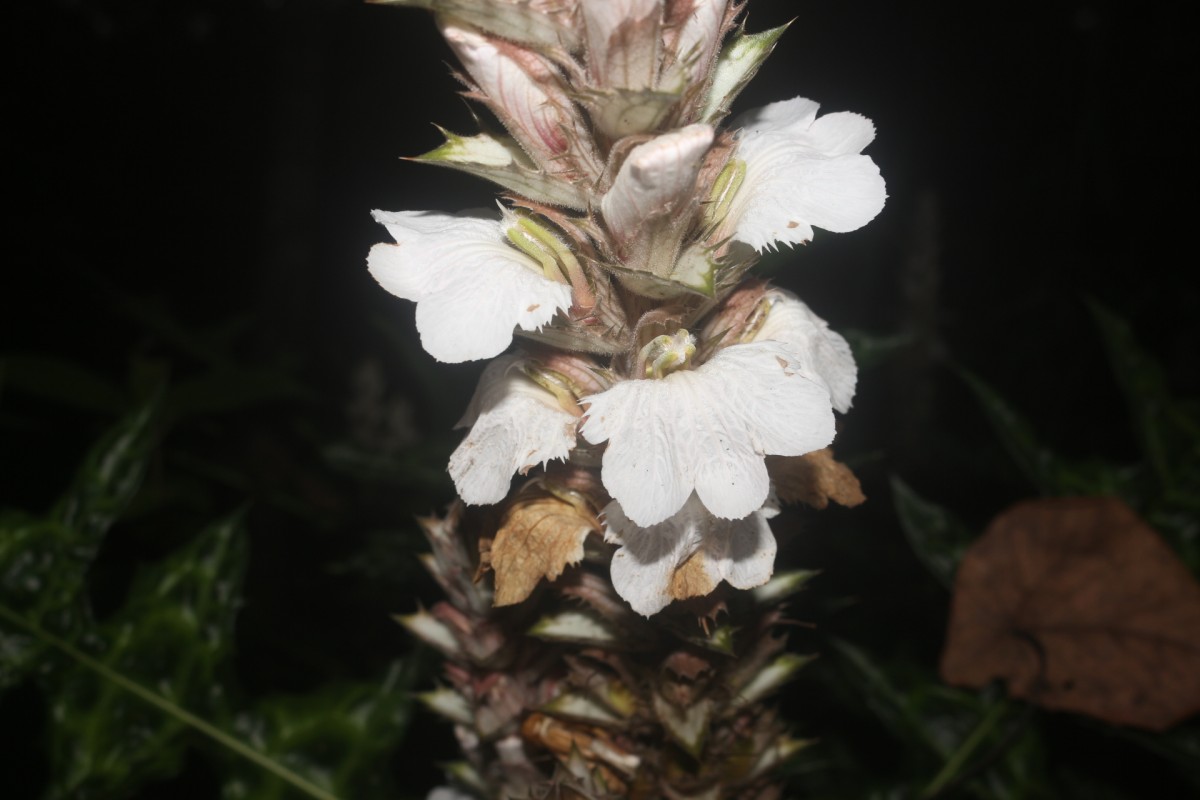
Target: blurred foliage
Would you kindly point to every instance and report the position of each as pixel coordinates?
(946, 742)
(119, 605)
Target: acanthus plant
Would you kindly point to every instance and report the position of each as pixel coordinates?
(659, 388)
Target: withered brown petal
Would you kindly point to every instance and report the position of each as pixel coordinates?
(814, 479)
(538, 538)
(1078, 605)
(692, 579)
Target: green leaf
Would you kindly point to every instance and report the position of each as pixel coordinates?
(43, 562)
(336, 737)
(938, 538)
(110, 477)
(170, 638)
(1158, 422)
(889, 705)
(42, 579)
(1038, 463)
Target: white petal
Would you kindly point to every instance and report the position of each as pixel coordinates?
(803, 172)
(471, 288)
(515, 424)
(824, 355)
(740, 551)
(707, 429)
(655, 179)
(642, 568)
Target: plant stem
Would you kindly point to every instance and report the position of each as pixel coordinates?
(166, 706)
(956, 761)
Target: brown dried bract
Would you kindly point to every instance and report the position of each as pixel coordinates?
(538, 537)
(1079, 605)
(814, 479)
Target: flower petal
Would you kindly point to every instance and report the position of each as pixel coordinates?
(824, 355)
(515, 424)
(707, 429)
(686, 555)
(803, 172)
(471, 288)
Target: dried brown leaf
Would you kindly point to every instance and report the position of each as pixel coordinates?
(1078, 605)
(814, 479)
(538, 537)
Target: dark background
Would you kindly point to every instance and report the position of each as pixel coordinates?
(187, 165)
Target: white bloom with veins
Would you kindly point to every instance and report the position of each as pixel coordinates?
(707, 430)
(823, 353)
(646, 569)
(515, 424)
(801, 171)
(471, 288)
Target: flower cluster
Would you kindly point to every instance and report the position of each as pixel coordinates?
(631, 217)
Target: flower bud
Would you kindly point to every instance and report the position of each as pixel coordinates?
(624, 43)
(691, 34)
(541, 23)
(526, 93)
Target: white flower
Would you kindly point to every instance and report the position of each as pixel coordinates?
(707, 430)
(801, 172)
(649, 569)
(824, 355)
(471, 288)
(515, 425)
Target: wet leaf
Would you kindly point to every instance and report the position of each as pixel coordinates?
(1078, 605)
(937, 537)
(109, 478)
(43, 562)
(538, 537)
(814, 479)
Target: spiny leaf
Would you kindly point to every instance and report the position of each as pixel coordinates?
(935, 535)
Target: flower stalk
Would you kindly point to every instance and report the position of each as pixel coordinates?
(656, 396)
